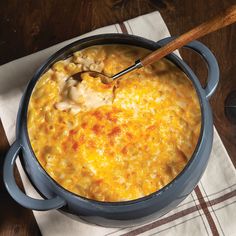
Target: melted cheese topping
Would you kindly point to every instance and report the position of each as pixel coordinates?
(121, 148)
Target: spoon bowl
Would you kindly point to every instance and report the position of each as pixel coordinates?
(104, 79)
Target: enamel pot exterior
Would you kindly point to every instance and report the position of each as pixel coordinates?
(120, 213)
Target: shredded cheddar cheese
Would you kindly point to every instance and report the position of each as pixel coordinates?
(113, 144)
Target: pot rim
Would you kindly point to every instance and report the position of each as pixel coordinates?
(67, 49)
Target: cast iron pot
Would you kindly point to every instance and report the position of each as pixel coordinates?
(118, 213)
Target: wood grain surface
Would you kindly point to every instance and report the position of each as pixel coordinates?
(28, 26)
(225, 18)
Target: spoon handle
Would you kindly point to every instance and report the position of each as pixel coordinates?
(226, 18)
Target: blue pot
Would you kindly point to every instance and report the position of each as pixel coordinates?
(118, 213)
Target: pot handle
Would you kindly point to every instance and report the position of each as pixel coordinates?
(209, 58)
(16, 193)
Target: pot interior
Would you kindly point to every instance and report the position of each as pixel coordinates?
(109, 40)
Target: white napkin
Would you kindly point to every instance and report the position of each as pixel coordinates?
(208, 210)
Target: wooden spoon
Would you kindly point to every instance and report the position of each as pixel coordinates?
(226, 18)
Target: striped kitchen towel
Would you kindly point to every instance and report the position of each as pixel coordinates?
(209, 210)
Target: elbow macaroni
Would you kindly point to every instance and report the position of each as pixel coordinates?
(113, 145)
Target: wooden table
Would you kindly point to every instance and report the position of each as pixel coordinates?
(29, 26)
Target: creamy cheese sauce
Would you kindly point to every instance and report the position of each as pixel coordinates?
(113, 145)
(77, 96)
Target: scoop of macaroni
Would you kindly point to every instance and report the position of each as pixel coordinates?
(114, 142)
(87, 93)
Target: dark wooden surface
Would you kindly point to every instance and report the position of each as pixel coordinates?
(28, 26)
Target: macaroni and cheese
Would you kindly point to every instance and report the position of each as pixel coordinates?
(119, 141)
